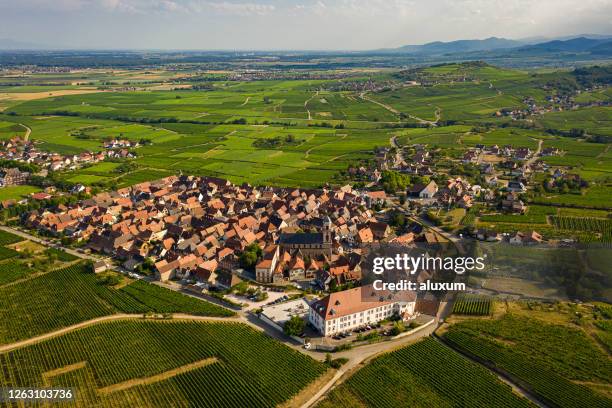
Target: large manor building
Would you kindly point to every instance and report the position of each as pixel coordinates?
(349, 309)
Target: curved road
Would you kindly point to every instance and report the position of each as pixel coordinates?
(28, 131)
(362, 354)
(120, 316)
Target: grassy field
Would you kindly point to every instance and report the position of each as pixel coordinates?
(562, 365)
(17, 192)
(74, 294)
(21, 259)
(146, 363)
(412, 377)
(239, 130)
(473, 305)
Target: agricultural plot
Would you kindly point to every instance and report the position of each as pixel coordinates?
(473, 305)
(74, 294)
(504, 136)
(596, 197)
(591, 160)
(145, 363)
(9, 130)
(217, 131)
(447, 136)
(59, 133)
(31, 261)
(17, 192)
(595, 120)
(7, 253)
(535, 215)
(411, 377)
(246, 153)
(6, 238)
(459, 101)
(554, 361)
(601, 227)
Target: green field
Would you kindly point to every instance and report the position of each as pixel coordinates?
(6, 238)
(74, 294)
(17, 192)
(562, 365)
(221, 130)
(473, 305)
(146, 363)
(426, 374)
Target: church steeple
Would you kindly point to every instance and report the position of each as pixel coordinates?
(327, 230)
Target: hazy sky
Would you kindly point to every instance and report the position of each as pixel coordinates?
(291, 24)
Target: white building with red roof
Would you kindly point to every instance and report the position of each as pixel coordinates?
(349, 309)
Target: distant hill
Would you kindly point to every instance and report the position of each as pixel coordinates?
(602, 49)
(596, 44)
(580, 44)
(459, 46)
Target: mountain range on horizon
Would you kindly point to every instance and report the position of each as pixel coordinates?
(597, 43)
(580, 43)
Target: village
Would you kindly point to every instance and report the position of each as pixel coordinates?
(209, 236)
(25, 151)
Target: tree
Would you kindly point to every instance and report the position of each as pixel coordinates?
(248, 259)
(398, 219)
(249, 256)
(294, 326)
(398, 327)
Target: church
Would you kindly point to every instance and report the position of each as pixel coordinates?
(312, 244)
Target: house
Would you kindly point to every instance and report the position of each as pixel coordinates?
(522, 153)
(516, 187)
(513, 204)
(364, 236)
(99, 266)
(376, 197)
(40, 196)
(488, 235)
(520, 238)
(423, 191)
(550, 151)
(264, 270)
(429, 191)
(470, 156)
(405, 239)
(348, 309)
(380, 230)
(226, 279)
(13, 177)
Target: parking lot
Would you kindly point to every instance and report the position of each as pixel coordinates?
(251, 304)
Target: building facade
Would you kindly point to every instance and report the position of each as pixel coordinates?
(312, 244)
(347, 310)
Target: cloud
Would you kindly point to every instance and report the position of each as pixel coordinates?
(312, 24)
(187, 6)
(241, 9)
